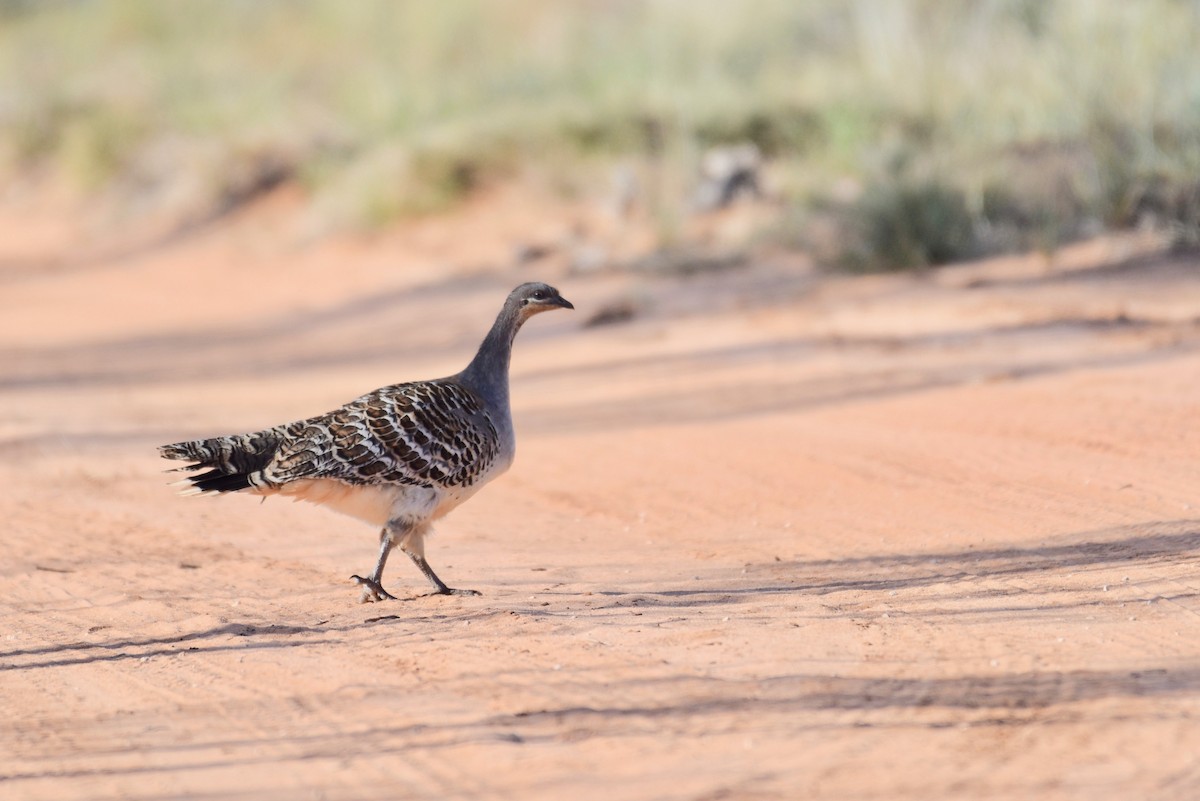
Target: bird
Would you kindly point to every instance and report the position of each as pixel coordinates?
(399, 457)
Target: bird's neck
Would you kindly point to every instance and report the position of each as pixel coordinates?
(487, 373)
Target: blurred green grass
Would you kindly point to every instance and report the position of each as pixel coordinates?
(1032, 119)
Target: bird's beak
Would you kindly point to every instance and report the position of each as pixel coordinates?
(563, 302)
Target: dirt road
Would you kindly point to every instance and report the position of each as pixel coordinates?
(777, 537)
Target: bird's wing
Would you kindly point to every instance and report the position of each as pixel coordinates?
(424, 433)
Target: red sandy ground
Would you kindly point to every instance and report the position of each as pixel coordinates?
(779, 536)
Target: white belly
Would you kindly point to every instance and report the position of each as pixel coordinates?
(379, 503)
(374, 503)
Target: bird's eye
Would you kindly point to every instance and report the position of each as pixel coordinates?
(539, 295)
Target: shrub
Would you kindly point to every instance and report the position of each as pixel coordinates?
(908, 225)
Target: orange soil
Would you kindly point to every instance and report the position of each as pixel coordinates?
(781, 536)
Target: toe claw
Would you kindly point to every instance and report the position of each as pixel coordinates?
(455, 591)
(371, 591)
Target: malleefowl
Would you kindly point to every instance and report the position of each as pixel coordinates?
(399, 457)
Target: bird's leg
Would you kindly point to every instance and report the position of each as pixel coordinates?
(413, 544)
(439, 586)
(372, 588)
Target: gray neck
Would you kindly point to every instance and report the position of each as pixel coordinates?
(487, 373)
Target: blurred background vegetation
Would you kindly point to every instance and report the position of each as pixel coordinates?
(922, 131)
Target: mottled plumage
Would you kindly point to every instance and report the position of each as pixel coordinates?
(400, 457)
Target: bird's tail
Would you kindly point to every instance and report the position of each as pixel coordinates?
(230, 463)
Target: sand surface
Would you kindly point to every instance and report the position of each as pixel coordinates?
(779, 536)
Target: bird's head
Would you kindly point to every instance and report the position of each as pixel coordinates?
(537, 297)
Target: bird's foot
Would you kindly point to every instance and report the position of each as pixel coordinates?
(453, 591)
(371, 591)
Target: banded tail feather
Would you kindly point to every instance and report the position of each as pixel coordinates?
(230, 463)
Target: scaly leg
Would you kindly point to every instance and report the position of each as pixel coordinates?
(413, 544)
(372, 588)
